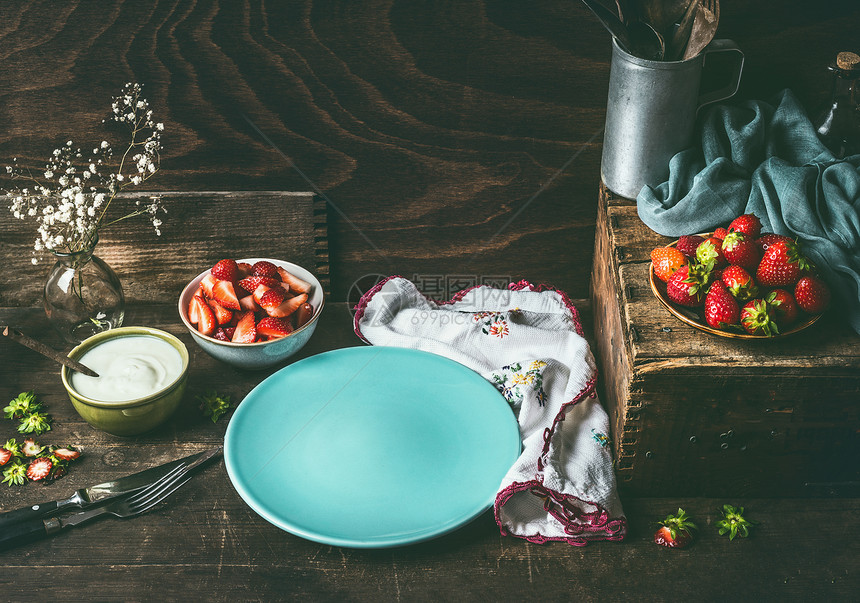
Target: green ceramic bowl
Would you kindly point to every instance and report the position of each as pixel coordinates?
(135, 416)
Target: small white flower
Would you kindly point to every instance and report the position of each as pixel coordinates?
(49, 174)
(159, 126)
(34, 261)
(104, 144)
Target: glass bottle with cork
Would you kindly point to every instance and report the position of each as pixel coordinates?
(838, 126)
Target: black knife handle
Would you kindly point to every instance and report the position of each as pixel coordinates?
(26, 531)
(10, 518)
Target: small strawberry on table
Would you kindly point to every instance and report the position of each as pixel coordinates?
(674, 531)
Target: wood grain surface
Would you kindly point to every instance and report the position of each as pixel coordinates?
(447, 138)
(208, 226)
(205, 544)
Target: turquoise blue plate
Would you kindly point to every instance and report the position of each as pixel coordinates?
(371, 447)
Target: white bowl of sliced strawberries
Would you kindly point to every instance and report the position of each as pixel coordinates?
(252, 313)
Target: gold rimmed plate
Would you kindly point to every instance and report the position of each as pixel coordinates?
(695, 317)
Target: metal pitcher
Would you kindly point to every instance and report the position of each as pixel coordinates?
(651, 114)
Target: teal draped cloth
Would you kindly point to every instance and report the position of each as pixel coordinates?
(766, 159)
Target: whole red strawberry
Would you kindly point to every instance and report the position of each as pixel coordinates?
(721, 233)
(687, 244)
(687, 286)
(740, 250)
(757, 318)
(768, 239)
(739, 283)
(781, 265)
(721, 308)
(748, 224)
(666, 261)
(784, 307)
(674, 531)
(812, 295)
(710, 252)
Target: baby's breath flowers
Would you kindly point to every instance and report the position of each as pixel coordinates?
(69, 198)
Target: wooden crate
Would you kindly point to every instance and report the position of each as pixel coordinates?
(700, 415)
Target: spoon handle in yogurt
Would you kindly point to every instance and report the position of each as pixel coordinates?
(38, 346)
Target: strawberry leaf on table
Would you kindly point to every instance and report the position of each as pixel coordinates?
(37, 423)
(24, 404)
(214, 405)
(733, 522)
(15, 474)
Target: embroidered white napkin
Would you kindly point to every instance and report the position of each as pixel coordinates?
(528, 342)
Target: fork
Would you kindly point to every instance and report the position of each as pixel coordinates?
(127, 506)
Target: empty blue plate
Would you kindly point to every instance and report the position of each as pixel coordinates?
(371, 447)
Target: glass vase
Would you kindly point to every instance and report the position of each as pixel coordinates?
(83, 295)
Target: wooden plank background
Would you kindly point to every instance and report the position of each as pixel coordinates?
(446, 137)
(206, 227)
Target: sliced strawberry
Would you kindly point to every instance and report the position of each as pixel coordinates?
(246, 329)
(273, 328)
(221, 335)
(225, 270)
(222, 314)
(288, 306)
(264, 268)
(193, 314)
(66, 454)
(228, 331)
(304, 314)
(259, 292)
(248, 303)
(273, 298)
(251, 283)
(296, 285)
(5, 456)
(207, 322)
(244, 270)
(224, 293)
(31, 448)
(207, 283)
(40, 468)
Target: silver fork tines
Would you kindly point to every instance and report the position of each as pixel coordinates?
(136, 503)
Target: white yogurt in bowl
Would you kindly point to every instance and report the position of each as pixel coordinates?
(129, 368)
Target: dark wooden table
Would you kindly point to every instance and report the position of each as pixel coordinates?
(205, 543)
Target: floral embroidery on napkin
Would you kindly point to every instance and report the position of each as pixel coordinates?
(494, 323)
(514, 380)
(600, 438)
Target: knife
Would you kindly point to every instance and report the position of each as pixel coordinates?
(100, 493)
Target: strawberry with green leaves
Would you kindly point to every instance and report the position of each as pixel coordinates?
(666, 262)
(687, 286)
(675, 531)
(748, 224)
(739, 282)
(757, 318)
(740, 250)
(782, 264)
(721, 308)
(784, 307)
(710, 253)
(733, 522)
